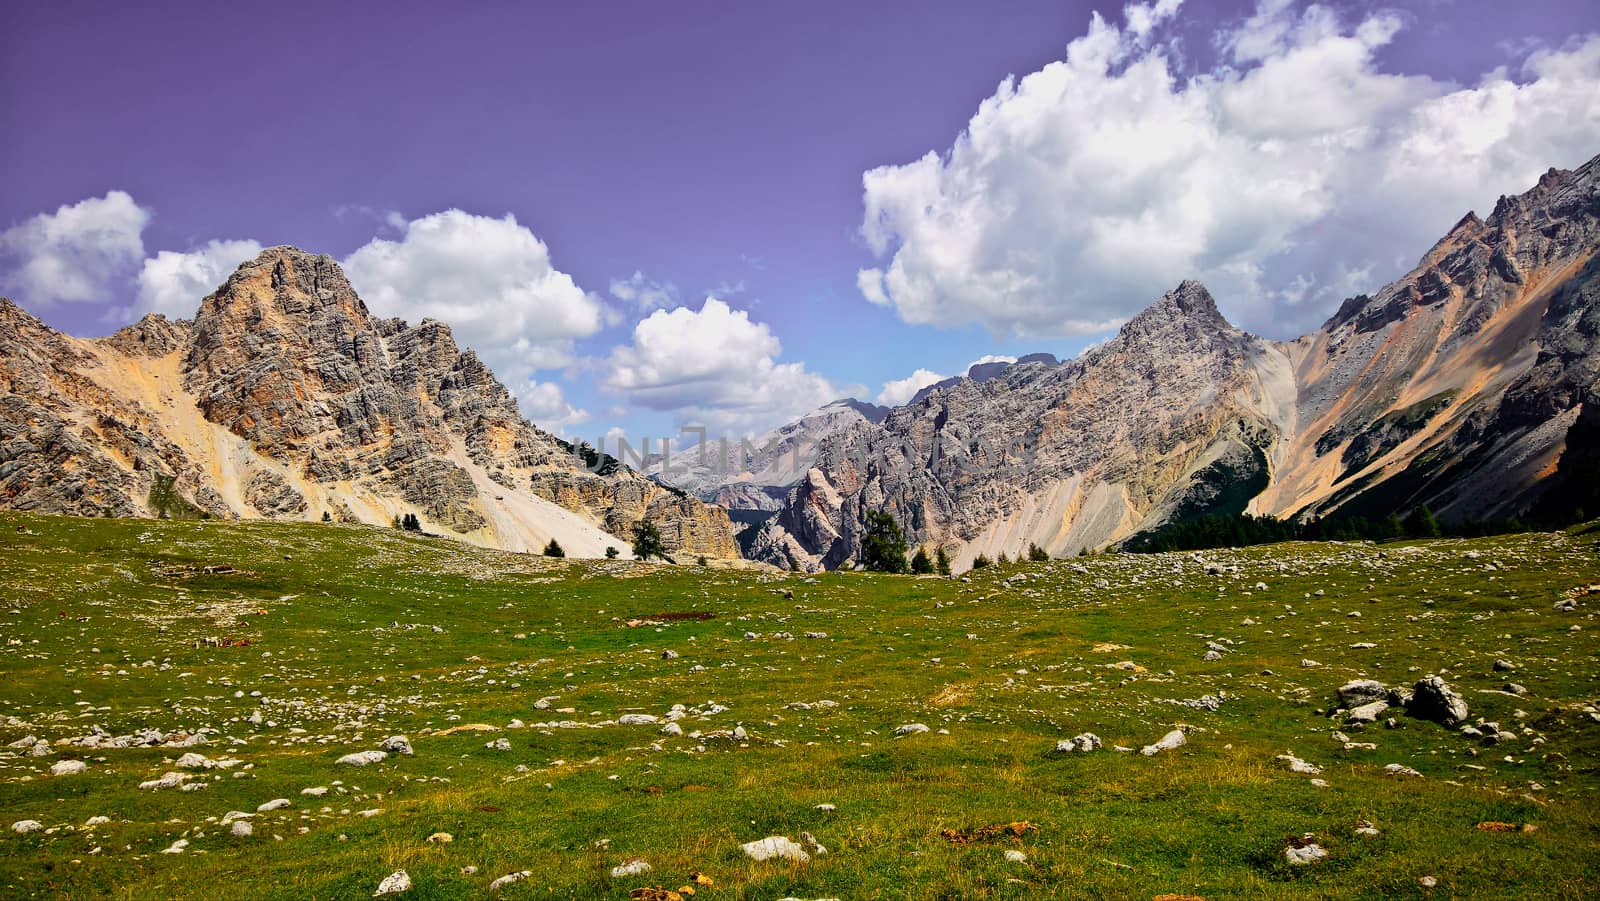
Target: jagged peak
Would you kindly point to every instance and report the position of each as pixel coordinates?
(153, 335)
(1188, 308)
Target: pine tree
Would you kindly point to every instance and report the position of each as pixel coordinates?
(1037, 554)
(883, 548)
(941, 562)
(553, 549)
(1004, 560)
(611, 553)
(647, 541)
(1421, 523)
(920, 564)
(980, 561)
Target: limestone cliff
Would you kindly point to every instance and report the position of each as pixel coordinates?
(285, 397)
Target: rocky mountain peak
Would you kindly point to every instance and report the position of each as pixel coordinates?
(154, 335)
(1184, 316)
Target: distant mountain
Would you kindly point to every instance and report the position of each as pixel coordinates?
(755, 474)
(1469, 386)
(285, 398)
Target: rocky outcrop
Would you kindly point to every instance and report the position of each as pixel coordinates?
(1043, 451)
(285, 397)
(1468, 386)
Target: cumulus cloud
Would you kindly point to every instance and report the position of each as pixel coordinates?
(644, 293)
(492, 281)
(547, 406)
(713, 366)
(992, 358)
(75, 254)
(900, 391)
(1292, 175)
(174, 283)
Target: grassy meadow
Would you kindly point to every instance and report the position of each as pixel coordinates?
(288, 646)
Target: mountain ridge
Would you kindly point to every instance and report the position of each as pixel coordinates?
(286, 398)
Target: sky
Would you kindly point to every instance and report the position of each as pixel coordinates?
(651, 215)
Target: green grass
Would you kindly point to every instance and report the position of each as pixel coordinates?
(102, 622)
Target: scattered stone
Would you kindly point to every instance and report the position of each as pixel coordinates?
(1168, 742)
(1367, 713)
(364, 758)
(177, 847)
(1428, 882)
(68, 768)
(911, 729)
(637, 719)
(499, 744)
(397, 744)
(242, 829)
(441, 838)
(1015, 856)
(1085, 743)
(1303, 851)
(776, 846)
(1433, 699)
(393, 884)
(633, 866)
(1397, 769)
(1296, 765)
(508, 879)
(23, 827)
(1358, 692)
(274, 804)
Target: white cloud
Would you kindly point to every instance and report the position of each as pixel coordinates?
(644, 293)
(75, 254)
(547, 407)
(174, 283)
(900, 391)
(714, 366)
(1291, 176)
(992, 358)
(491, 280)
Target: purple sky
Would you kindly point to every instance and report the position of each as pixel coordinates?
(702, 144)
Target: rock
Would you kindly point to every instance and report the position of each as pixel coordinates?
(1504, 666)
(274, 804)
(167, 780)
(669, 654)
(637, 719)
(508, 879)
(1296, 765)
(193, 761)
(363, 758)
(1168, 742)
(23, 827)
(910, 729)
(1433, 699)
(397, 744)
(1367, 713)
(177, 847)
(672, 729)
(1303, 852)
(242, 829)
(68, 768)
(1428, 882)
(775, 846)
(1084, 743)
(499, 744)
(1514, 688)
(1396, 769)
(1361, 691)
(1015, 856)
(393, 884)
(441, 838)
(314, 792)
(633, 866)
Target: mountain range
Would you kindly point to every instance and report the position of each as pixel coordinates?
(1469, 385)
(286, 398)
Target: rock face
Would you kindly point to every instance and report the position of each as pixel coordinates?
(284, 398)
(1471, 385)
